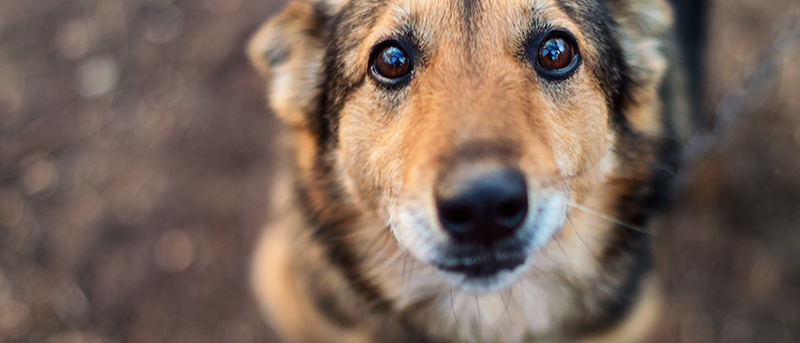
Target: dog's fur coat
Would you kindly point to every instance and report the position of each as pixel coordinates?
(354, 251)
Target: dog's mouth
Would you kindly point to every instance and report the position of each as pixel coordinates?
(481, 265)
(480, 268)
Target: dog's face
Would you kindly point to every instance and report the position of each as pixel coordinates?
(472, 128)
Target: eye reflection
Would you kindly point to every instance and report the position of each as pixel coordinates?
(391, 62)
(556, 53)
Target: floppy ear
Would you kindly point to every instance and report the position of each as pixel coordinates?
(288, 52)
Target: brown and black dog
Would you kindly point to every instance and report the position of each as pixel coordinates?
(469, 170)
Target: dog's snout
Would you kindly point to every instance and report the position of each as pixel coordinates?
(482, 205)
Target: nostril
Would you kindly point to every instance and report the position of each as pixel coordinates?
(510, 209)
(459, 215)
(511, 213)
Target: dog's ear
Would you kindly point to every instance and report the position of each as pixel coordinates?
(645, 27)
(288, 52)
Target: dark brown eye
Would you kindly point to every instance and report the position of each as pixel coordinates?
(391, 62)
(556, 53)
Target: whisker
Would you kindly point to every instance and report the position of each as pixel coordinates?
(506, 302)
(388, 261)
(405, 268)
(593, 255)
(522, 299)
(569, 220)
(377, 256)
(480, 321)
(372, 245)
(357, 234)
(453, 308)
(607, 217)
(564, 253)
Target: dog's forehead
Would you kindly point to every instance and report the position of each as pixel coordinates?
(471, 17)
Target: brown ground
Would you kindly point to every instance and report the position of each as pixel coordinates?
(135, 151)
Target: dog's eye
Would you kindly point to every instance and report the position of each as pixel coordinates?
(555, 56)
(556, 53)
(391, 62)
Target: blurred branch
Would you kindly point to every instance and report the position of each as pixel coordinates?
(735, 102)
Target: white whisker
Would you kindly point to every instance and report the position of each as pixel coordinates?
(569, 220)
(607, 217)
(455, 316)
(388, 261)
(378, 255)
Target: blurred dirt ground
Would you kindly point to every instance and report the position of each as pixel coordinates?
(135, 153)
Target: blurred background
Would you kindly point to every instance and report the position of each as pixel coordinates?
(135, 152)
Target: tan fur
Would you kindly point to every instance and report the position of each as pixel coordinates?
(642, 318)
(288, 305)
(291, 84)
(646, 23)
(389, 156)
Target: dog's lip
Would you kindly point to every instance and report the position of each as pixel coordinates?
(481, 265)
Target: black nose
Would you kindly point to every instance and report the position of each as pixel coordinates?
(481, 206)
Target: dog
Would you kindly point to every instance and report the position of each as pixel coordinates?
(470, 170)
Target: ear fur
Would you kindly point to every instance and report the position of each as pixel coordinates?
(644, 24)
(288, 52)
